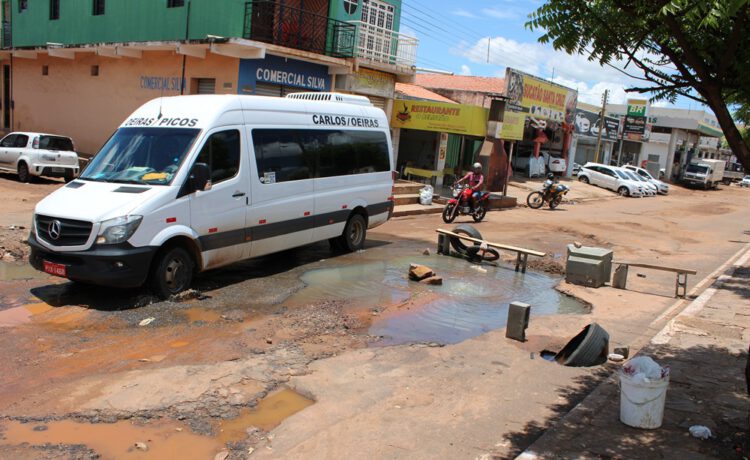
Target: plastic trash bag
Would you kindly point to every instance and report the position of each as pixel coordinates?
(643, 369)
(425, 195)
(700, 431)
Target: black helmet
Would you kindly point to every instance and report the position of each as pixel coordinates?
(550, 176)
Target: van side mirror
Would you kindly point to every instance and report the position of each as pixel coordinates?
(200, 178)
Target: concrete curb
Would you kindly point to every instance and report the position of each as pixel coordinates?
(692, 308)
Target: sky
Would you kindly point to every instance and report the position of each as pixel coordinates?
(453, 36)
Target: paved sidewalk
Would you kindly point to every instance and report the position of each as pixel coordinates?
(706, 348)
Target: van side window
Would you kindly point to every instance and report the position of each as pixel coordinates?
(293, 154)
(280, 156)
(221, 153)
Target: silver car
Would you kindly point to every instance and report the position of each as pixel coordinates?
(661, 187)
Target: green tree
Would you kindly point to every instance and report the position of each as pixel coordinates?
(699, 49)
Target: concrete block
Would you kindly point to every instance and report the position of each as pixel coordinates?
(518, 321)
(586, 272)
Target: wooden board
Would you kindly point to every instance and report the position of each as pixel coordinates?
(494, 245)
(657, 267)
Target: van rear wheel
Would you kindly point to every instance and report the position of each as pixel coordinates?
(354, 234)
(172, 272)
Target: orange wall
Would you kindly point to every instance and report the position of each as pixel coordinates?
(69, 101)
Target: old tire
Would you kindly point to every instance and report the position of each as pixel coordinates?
(583, 179)
(23, 172)
(623, 191)
(555, 202)
(464, 229)
(172, 272)
(479, 214)
(355, 232)
(448, 213)
(535, 200)
(589, 348)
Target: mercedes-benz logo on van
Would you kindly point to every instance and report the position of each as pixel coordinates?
(54, 228)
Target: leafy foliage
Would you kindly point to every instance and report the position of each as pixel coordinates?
(694, 48)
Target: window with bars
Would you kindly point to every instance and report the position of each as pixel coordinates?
(98, 7)
(54, 10)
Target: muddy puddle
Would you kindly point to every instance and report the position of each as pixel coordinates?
(163, 440)
(18, 271)
(157, 440)
(267, 415)
(471, 301)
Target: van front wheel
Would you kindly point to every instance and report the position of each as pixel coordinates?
(354, 234)
(172, 273)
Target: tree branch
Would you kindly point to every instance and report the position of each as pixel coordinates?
(738, 28)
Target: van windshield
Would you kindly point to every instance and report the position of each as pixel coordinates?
(141, 156)
(697, 169)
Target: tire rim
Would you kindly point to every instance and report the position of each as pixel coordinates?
(356, 232)
(175, 274)
(537, 200)
(623, 191)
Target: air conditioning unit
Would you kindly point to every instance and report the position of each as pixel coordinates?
(331, 97)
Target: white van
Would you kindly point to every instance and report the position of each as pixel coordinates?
(190, 183)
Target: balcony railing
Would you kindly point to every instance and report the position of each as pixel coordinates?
(272, 22)
(385, 46)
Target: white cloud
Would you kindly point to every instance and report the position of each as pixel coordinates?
(574, 71)
(464, 13)
(500, 13)
(465, 70)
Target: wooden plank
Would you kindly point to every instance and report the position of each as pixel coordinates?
(494, 245)
(658, 267)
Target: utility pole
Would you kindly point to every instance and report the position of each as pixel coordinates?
(489, 41)
(605, 96)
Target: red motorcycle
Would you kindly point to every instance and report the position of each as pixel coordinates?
(461, 204)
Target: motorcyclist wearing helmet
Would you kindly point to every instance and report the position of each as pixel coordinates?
(549, 183)
(475, 179)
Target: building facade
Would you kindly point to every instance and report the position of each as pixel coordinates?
(79, 67)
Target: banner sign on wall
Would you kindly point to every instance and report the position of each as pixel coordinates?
(587, 124)
(283, 72)
(635, 127)
(440, 117)
(539, 98)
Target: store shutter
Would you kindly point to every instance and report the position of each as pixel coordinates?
(206, 86)
(266, 89)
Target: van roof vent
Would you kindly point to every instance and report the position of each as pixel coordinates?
(331, 97)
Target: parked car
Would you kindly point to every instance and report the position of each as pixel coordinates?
(649, 189)
(38, 154)
(576, 168)
(524, 162)
(745, 182)
(661, 187)
(610, 178)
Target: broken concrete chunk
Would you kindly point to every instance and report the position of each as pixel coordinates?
(420, 272)
(433, 280)
(624, 351)
(141, 446)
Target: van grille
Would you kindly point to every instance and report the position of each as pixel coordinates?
(71, 232)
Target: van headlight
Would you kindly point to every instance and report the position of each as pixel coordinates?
(118, 230)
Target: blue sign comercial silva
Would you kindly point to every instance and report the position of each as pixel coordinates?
(282, 71)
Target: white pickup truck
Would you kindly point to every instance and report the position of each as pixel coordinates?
(704, 173)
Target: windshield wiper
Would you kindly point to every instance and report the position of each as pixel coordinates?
(126, 181)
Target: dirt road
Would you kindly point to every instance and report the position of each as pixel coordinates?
(181, 376)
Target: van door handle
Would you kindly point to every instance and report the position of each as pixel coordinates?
(238, 194)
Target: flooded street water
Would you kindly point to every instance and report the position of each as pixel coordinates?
(472, 300)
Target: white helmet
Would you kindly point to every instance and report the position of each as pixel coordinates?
(477, 167)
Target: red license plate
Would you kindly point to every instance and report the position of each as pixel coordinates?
(55, 269)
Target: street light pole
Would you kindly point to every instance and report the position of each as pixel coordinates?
(601, 124)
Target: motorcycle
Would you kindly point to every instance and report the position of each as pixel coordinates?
(460, 204)
(551, 193)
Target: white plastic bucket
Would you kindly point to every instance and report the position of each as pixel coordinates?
(642, 404)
